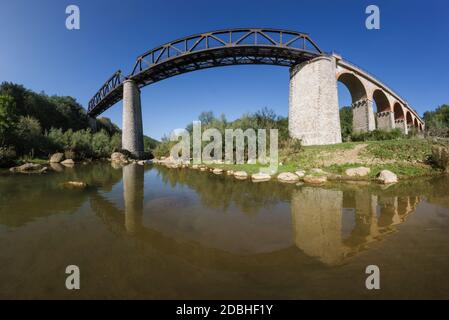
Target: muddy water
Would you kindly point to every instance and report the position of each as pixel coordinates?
(157, 233)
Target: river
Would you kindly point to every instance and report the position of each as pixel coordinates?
(157, 233)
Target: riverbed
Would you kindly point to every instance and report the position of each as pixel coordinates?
(148, 232)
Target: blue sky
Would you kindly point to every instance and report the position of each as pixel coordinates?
(409, 53)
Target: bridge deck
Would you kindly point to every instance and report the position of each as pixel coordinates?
(207, 50)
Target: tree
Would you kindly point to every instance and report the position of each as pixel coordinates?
(57, 139)
(81, 143)
(437, 122)
(101, 144)
(346, 122)
(29, 135)
(8, 118)
(116, 142)
(206, 118)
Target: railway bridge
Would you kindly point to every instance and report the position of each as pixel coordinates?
(314, 74)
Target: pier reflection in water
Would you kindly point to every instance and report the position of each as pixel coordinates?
(190, 234)
(331, 225)
(334, 225)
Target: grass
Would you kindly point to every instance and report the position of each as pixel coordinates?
(406, 157)
(403, 170)
(32, 160)
(399, 150)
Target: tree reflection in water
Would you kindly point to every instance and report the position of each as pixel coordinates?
(331, 224)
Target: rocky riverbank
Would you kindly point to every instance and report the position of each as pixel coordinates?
(350, 163)
(385, 162)
(315, 176)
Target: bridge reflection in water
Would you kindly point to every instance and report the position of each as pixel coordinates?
(335, 225)
(331, 225)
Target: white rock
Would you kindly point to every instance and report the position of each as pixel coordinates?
(317, 171)
(260, 177)
(300, 173)
(217, 171)
(315, 179)
(358, 172)
(56, 158)
(75, 185)
(288, 177)
(68, 162)
(119, 157)
(387, 177)
(241, 175)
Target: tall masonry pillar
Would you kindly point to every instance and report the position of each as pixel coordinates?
(313, 105)
(363, 119)
(385, 120)
(132, 135)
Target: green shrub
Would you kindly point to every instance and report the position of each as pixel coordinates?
(7, 156)
(346, 123)
(101, 144)
(57, 139)
(81, 143)
(69, 154)
(116, 142)
(28, 135)
(378, 135)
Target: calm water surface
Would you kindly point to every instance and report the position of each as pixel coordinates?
(157, 233)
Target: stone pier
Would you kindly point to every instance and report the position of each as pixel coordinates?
(363, 116)
(92, 124)
(132, 135)
(313, 106)
(400, 124)
(385, 120)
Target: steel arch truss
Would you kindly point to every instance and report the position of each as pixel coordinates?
(207, 50)
(109, 94)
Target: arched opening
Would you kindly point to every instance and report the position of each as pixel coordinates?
(384, 118)
(381, 101)
(354, 85)
(420, 127)
(398, 112)
(409, 121)
(416, 123)
(399, 118)
(350, 91)
(409, 118)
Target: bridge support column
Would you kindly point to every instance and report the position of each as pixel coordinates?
(313, 106)
(385, 120)
(363, 116)
(92, 124)
(401, 124)
(132, 135)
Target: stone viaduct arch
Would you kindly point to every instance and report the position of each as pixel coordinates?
(313, 104)
(391, 110)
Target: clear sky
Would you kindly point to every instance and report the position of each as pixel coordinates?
(410, 52)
